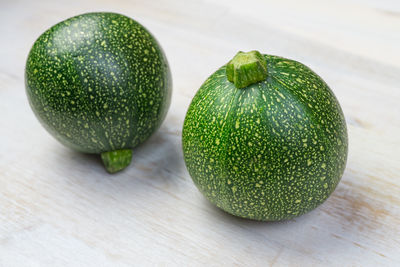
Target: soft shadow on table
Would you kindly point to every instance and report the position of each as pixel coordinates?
(335, 226)
(161, 154)
(151, 159)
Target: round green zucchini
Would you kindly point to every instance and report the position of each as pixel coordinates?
(99, 83)
(265, 138)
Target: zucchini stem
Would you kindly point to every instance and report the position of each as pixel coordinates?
(247, 68)
(116, 160)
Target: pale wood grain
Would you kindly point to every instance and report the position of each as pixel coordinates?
(60, 208)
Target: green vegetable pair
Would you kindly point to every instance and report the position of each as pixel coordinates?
(264, 138)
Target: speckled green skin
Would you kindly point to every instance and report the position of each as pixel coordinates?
(270, 151)
(98, 82)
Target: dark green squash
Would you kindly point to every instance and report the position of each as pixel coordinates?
(99, 83)
(265, 138)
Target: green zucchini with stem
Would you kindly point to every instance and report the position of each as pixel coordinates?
(265, 138)
(99, 83)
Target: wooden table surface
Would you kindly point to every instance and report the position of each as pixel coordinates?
(60, 208)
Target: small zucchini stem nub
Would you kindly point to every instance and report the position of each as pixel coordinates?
(247, 68)
(116, 160)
